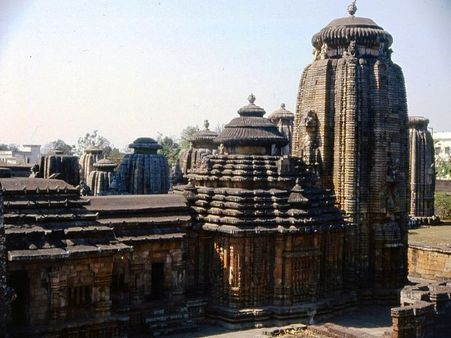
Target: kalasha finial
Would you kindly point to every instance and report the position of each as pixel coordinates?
(282, 106)
(206, 124)
(352, 8)
(251, 98)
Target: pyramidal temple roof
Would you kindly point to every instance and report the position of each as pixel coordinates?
(251, 128)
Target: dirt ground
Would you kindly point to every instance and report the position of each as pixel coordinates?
(437, 235)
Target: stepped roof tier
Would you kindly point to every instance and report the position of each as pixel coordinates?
(204, 138)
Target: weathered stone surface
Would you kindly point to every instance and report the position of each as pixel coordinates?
(75, 262)
(351, 128)
(201, 144)
(101, 177)
(144, 171)
(266, 239)
(421, 168)
(3, 301)
(87, 160)
(425, 311)
(283, 119)
(427, 262)
(57, 165)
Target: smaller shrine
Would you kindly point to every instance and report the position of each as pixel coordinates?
(90, 156)
(421, 170)
(250, 133)
(201, 144)
(101, 177)
(283, 119)
(59, 166)
(145, 171)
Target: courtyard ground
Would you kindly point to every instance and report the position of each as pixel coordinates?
(436, 235)
(368, 322)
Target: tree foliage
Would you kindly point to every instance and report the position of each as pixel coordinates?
(443, 205)
(442, 167)
(57, 145)
(170, 149)
(11, 147)
(186, 135)
(96, 140)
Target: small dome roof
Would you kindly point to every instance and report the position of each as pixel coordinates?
(204, 136)
(418, 122)
(251, 128)
(281, 113)
(105, 164)
(340, 32)
(251, 109)
(93, 149)
(145, 143)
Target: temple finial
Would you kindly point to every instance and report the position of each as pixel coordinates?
(352, 8)
(206, 124)
(282, 106)
(251, 98)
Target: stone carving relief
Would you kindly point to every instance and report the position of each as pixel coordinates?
(311, 143)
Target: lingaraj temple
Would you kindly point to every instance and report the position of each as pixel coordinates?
(290, 217)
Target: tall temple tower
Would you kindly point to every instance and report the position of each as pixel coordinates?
(351, 122)
(421, 169)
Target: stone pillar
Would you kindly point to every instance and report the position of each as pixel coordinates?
(101, 293)
(57, 294)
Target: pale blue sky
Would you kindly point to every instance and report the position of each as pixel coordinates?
(134, 68)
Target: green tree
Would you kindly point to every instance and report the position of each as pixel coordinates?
(96, 140)
(186, 135)
(170, 149)
(442, 167)
(12, 147)
(116, 155)
(57, 145)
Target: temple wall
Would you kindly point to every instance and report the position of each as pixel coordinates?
(429, 263)
(69, 289)
(96, 288)
(3, 310)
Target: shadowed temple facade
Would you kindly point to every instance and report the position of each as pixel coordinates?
(290, 217)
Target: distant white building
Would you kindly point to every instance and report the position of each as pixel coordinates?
(442, 145)
(26, 154)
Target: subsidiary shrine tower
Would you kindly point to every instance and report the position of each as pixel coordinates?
(351, 126)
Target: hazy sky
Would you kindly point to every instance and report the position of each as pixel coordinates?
(135, 68)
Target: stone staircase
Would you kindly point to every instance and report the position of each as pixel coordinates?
(165, 321)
